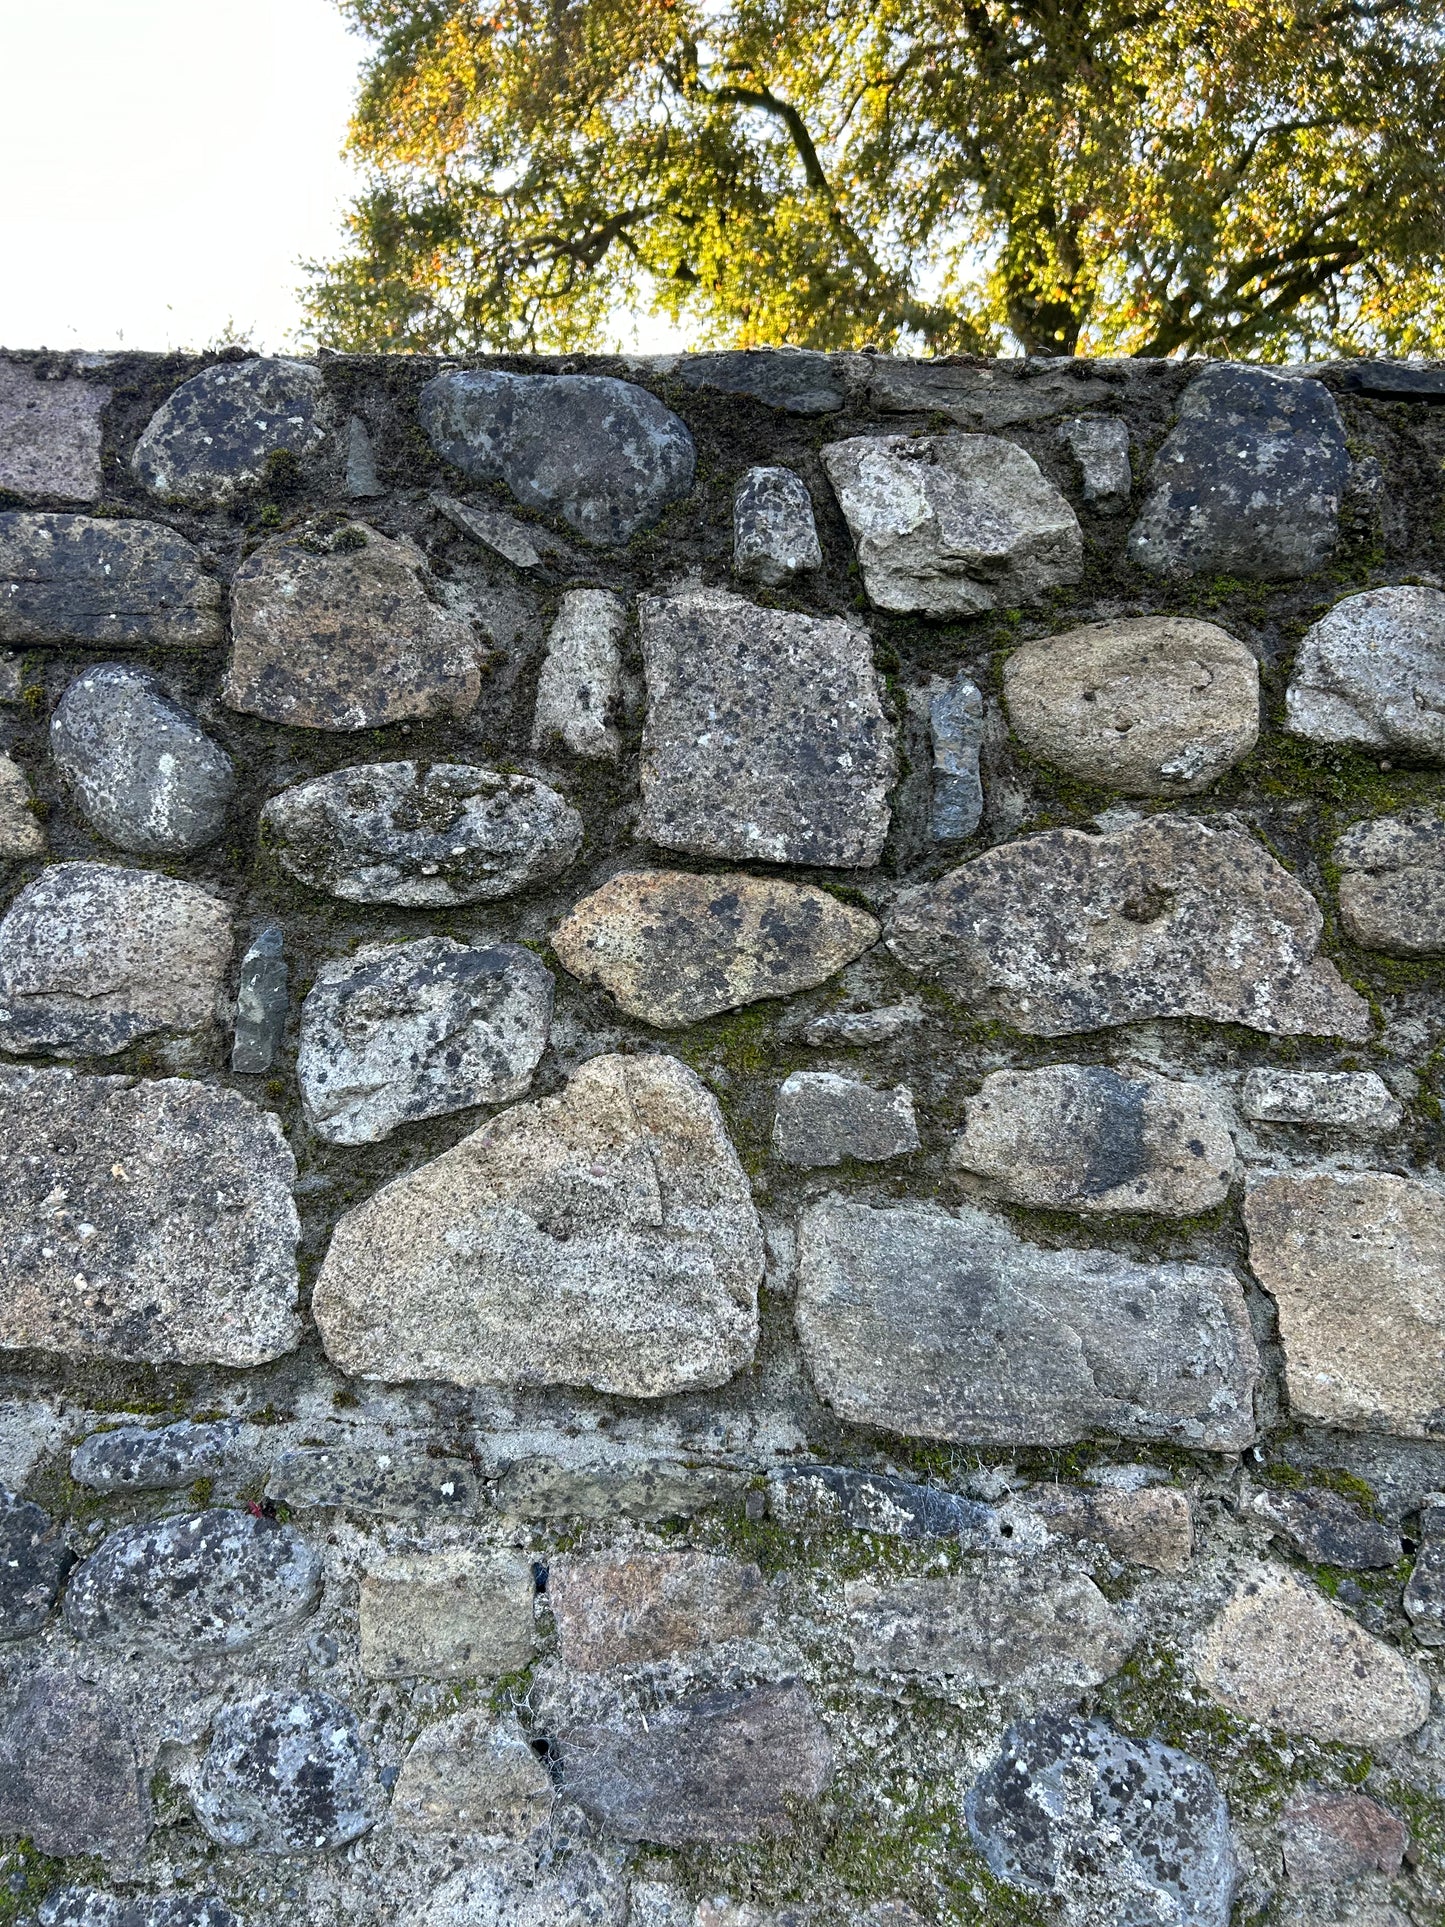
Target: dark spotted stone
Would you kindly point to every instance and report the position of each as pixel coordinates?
(796, 381)
(138, 1458)
(70, 1781)
(1326, 1529)
(287, 1773)
(34, 1559)
(384, 1478)
(235, 423)
(96, 583)
(89, 1907)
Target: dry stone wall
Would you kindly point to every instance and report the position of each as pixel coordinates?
(720, 1132)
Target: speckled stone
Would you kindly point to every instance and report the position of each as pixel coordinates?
(21, 836)
(580, 687)
(583, 1891)
(1331, 1837)
(387, 1478)
(50, 433)
(634, 1608)
(447, 1615)
(469, 1774)
(34, 1558)
(287, 1772)
(220, 431)
(823, 1118)
(1392, 884)
(1100, 446)
(1372, 671)
(70, 1780)
(775, 538)
(141, 1458)
(1359, 1102)
(100, 583)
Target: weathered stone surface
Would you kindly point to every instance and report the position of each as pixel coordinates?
(1324, 1528)
(149, 1221)
(1424, 1597)
(50, 434)
(720, 1768)
(1339, 1836)
(877, 1502)
(504, 535)
(103, 584)
(1001, 396)
(629, 1609)
(584, 1891)
(1355, 1262)
(1147, 705)
(858, 1029)
(473, 1775)
(604, 456)
(1392, 884)
(799, 381)
(286, 1773)
(144, 772)
(775, 538)
(362, 481)
(261, 1002)
(351, 638)
(1100, 446)
(1355, 1101)
(447, 1615)
(384, 1478)
(213, 1581)
(672, 948)
(955, 728)
(1249, 480)
(1394, 380)
(70, 1781)
(603, 1237)
(1125, 1833)
(945, 1325)
(1281, 1654)
(1082, 1137)
(137, 1458)
(765, 735)
(823, 1118)
(1372, 671)
(626, 1486)
(89, 1907)
(426, 835)
(1064, 932)
(21, 836)
(34, 1559)
(218, 432)
(953, 525)
(397, 1032)
(1153, 1526)
(580, 687)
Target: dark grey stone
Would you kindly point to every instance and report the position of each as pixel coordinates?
(89, 1907)
(799, 381)
(362, 480)
(1100, 446)
(98, 583)
(823, 1118)
(34, 1559)
(70, 1781)
(876, 1502)
(955, 726)
(386, 1479)
(261, 1002)
(1425, 1594)
(137, 1458)
(504, 535)
(1325, 1528)
(1394, 381)
(219, 431)
(287, 1773)
(775, 538)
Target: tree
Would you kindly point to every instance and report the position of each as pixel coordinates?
(1243, 177)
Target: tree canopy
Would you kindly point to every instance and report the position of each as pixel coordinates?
(1242, 177)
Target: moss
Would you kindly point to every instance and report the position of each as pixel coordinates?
(201, 1491)
(27, 1876)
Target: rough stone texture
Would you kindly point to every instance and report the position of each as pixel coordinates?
(1001, 395)
(447, 1615)
(362, 481)
(1372, 671)
(352, 638)
(585, 1892)
(33, 1560)
(775, 538)
(261, 1002)
(286, 1773)
(21, 836)
(1359, 1102)
(580, 688)
(397, 1032)
(1249, 480)
(1151, 1527)
(1082, 1137)
(637, 1486)
(862, 1029)
(621, 1609)
(1424, 1596)
(1323, 1528)
(1064, 932)
(765, 737)
(823, 1118)
(137, 1458)
(603, 1237)
(89, 1907)
(381, 1478)
(673, 948)
(1100, 446)
(218, 432)
(604, 456)
(145, 1221)
(142, 770)
(1392, 884)
(880, 1503)
(1147, 705)
(70, 1781)
(1339, 1836)
(103, 584)
(956, 729)
(947, 1326)
(470, 1774)
(797, 381)
(50, 434)
(1355, 1262)
(953, 525)
(504, 535)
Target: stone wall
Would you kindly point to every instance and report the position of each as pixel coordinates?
(719, 1143)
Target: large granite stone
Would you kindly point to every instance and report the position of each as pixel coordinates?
(470, 1774)
(632, 1609)
(70, 1780)
(149, 1221)
(447, 1615)
(286, 1773)
(1392, 884)
(81, 581)
(823, 1118)
(672, 948)
(603, 1237)
(945, 1325)
(775, 539)
(426, 835)
(1064, 932)
(34, 1558)
(1372, 671)
(579, 689)
(796, 381)
(603, 456)
(1359, 1102)
(21, 836)
(219, 431)
(139, 1458)
(50, 433)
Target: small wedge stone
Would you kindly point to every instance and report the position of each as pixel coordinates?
(1355, 1101)
(21, 836)
(580, 687)
(775, 538)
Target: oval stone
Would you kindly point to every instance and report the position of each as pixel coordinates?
(218, 431)
(287, 1773)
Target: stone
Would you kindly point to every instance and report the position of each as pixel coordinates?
(1122, 1832)
(1082, 1137)
(879, 1503)
(602, 1237)
(215, 1581)
(797, 381)
(352, 637)
(579, 690)
(98, 583)
(286, 1772)
(50, 433)
(622, 1487)
(953, 525)
(603, 456)
(765, 736)
(671, 948)
(1372, 671)
(862, 1029)
(1152, 1527)
(1003, 395)
(1424, 1596)
(136, 1458)
(1249, 480)
(362, 481)
(946, 1326)
(504, 535)
(823, 1118)
(150, 1221)
(1330, 1837)
(1355, 1263)
(585, 1892)
(34, 1558)
(1322, 1527)
(1146, 705)
(398, 1032)
(93, 957)
(1063, 932)
(1359, 1102)
(630, 1609)
(448, 1615)
(1100, 446)
(225, 428)
(955, 729)
(145, 774)
(1392, 884)
(1283, 1656)
(21, 836)
(472, 1775)
(388, 1479)
(261, 1002)
(89, 1907)
(775, 539)
(1394, 381)
(717, 1769)
(70, 1781)
(425, 835)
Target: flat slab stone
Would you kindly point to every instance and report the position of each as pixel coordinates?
(21, 836)
(585, 1892)
(946, 1326)
(89, 1907)
(1355, 1101)
(1249, 480)
(102, 583)
(862, 1029)
(797, 381)
(632, 1609)
(823, 1118)
(955, 729)
(879, 1503)
(140, 1458)
(1004, 395)
(953, 525)
(354, 637)
(775, 538)
(602, 1237)
(1323, 1528)
(70, 1781)
(1100, 446)
(448, 1615)
(1372, 671)
(579, 690)
(1392, 884)
(603, 456)
(426, 835)
(50, 434)
(620, 1485)
(389, 1479)
(1329, 1837)
(672, 948)
(1152, 1526)
(1064, 932)
(34, 1558)
(220, 430)
(765, 735)
(287, 1773)
(148, 1220)
(472, 1775)
(1146, 705)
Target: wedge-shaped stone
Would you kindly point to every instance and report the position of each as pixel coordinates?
(218, 431)
(603, 1237)
(50, 434)
(21, 836)
(96, 583)
(1392, 884)
(579, 690)
(1066, 932)
(775, 538)
(629, 1609)
(1372, 671)
(947, 1326)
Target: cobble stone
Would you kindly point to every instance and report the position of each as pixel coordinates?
(1100, 446)
(70, 1780)
(1392, 884)
(956, 730)
(468, 1774)
(222, 430)
(1330, 1837)
(447, 1615)
(95, 583)
(286, 1773)
(1324, 1528)
(797, 381)
(775, 538)
(621, 1609)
